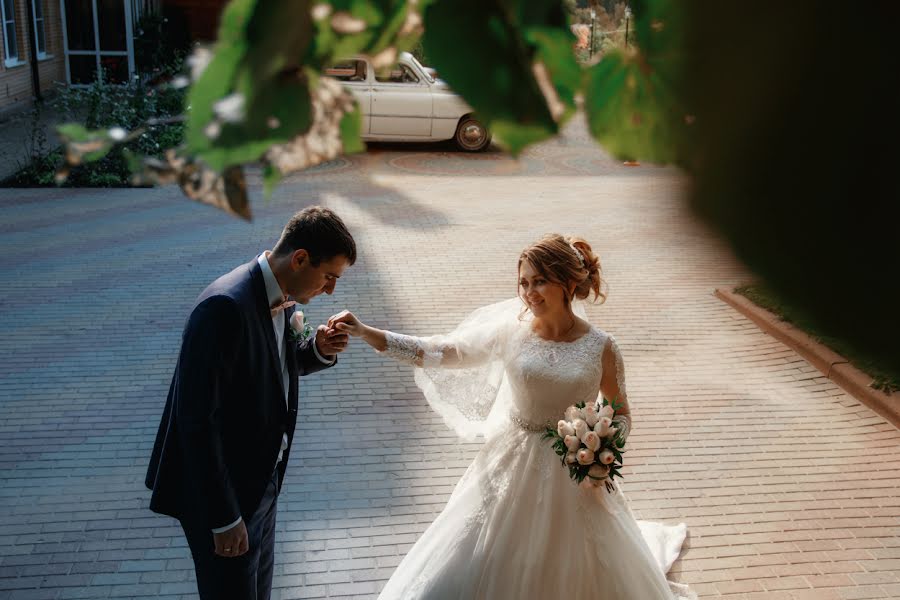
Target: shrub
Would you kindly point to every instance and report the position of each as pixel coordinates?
(102, 106)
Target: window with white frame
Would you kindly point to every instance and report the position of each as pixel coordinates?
(10, 42)
(39, 36)
(98, 40)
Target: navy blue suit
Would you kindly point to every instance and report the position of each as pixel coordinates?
(215, 454)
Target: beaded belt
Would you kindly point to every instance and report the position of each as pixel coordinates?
(528, 425)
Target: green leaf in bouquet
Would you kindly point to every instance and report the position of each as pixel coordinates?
(581, 473)
(615, 405)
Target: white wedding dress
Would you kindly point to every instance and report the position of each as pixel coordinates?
(516, 526)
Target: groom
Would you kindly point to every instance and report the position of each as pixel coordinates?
(228, 425)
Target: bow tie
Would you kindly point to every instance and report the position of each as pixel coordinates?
(280, 305)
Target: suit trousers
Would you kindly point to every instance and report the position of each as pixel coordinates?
(246, 577)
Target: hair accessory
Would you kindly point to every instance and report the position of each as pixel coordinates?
(578, 254)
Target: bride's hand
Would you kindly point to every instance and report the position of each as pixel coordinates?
(347, 322)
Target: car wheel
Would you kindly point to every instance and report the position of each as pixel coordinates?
(471, 135)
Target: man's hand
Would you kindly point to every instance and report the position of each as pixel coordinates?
(233, 542)
(330, 341)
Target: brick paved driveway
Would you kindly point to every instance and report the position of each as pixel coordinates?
(789, 486)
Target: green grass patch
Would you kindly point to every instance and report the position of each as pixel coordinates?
(885, 378)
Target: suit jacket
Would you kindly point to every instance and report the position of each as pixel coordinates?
(222, 426)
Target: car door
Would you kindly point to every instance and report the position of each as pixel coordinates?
(356, 77)
(401, 104)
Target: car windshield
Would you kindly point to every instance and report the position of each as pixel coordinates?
(350, 70)
(422, 69)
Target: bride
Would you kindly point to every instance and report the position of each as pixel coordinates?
(516, 526)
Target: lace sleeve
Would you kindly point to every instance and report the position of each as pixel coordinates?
(621, 392)
(435, 352)
(612, 386)
(461, 374)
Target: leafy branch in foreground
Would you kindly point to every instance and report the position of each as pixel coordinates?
(256, 96)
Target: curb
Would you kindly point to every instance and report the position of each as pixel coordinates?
(834, 366)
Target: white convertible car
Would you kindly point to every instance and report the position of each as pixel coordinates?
(406, 103)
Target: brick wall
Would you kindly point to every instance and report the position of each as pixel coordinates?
(15, 82)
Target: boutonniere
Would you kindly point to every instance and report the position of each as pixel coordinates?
(300, 327)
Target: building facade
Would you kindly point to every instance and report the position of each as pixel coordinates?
(33, 50)
(72, 42)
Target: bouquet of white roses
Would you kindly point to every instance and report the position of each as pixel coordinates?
(589, 442)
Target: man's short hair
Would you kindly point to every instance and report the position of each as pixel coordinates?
(320, 232)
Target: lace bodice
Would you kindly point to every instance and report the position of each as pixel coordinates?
(541, 378)
(547, 377)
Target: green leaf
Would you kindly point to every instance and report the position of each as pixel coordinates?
(82, 144)
(633, 100)
(265, 70)
(494, 49)
(351, 125)
(271, 177)
(75, 132)
(246, 142)
(659, 28)
(384, 29)
(554, 50)
(213, 85)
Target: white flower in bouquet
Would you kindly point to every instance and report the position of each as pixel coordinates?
(580, 428)
(602, 426)
(607, 457)
(572, 413)
(591, 440)
(579, 441)
(564, 428)
(585, 456)
(598, 471)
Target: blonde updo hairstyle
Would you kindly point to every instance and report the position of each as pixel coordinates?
(554, 256)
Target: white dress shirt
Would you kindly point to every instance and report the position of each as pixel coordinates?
(276, 296)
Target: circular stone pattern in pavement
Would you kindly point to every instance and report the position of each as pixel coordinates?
(453, 163)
